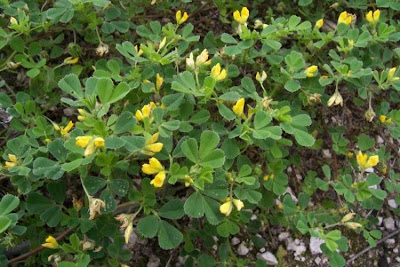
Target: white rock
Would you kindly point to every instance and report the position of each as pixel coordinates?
(235, 241)
(317, 260)
(389, 224)
(297, 246)
(154, 261)
(370, 170)
(253, 217)
(380, 220)
(315, 244)
(379, 139)
(269, 258)
(283, 236)
(289, 169)
(398, 259)
(390, 243)
(242, 249)
(215, 247)
(326, 153)
(392, 203)
(396, 250)
(262, 250)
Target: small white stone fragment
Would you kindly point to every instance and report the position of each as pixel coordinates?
(380, 220)
(235, 241)
(379, 139)
(317, 260)
(315, 244)
(392, 203)
(253, 217)
(283, 236)
(398, 259)
(396, 250)
(262, 250)
(242, 249)
(389, 224)
(326, 153)
(269, 258)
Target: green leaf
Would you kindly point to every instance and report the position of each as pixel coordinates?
(5, 222)
(148, 226)
(70, 166)
(105, 89)
(211, 209)
(8, 203)
(261, 119)
(331, 244)
(93, 184)
(301, 120)
(125, 122)
(292, 85)
(294, 60)
(194, 205)
(185, 83)
(172, 210)
(303, 138)
(52, 216)
(47, 168)
(365, 143)
(208, 141)
(120, 186)
(37, 203)
(119, 92)
(168, 236)
(71, 85)
(113, 142)
(190, 149)
(134, 143)
(215, 159)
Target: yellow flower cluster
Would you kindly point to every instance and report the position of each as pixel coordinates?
(373, 17)
(155, 167)
(64, 130)
(159, 81)
(311, 71)
(13, 161)
(51, 242)
(152, 146)
(145, 112)
(345, 18)
(82, 114)
(218, 73)
(71, 60)
(227, 206)
(366, 162)
(179, 18)
(90, 143)
(241, 17)
(384, 119)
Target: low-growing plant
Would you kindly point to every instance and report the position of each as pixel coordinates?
(116, 131)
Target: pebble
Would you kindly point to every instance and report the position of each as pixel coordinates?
(389, 224)
(379, 139)
(326, 153)
(242, 249)
(154, 261)
(253, 217)
(380, 220)
(398, 259)
(235, 241)
(269, 258)
(68, 112)
(317, 260)
(283, 236)
(392, 203)
(390, 243)
(262, 250)
(297, 246)
(315, 244)
(396, 250)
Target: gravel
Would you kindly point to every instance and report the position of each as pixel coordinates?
(269, 258)
(389, 224)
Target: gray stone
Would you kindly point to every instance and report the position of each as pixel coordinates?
(269, 258)
(315, 244)
(389, 224)
(242, 249)
(392, 203)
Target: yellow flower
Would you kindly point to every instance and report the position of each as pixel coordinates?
(202, 59)
(151, 145)
(239, 107)
(241, 17)
(350, 154)
(51, 242)
(382, 118)
(239, 204)
(319, 23)
(226, 208)
(90, 149)
(83, 141)
(139, 52)
(47, 140)
(261, 78)
(65, 130)
(190, 61)
(163, 42)
(391, 73)
(145, 112)
(366, 162)
(311, 71)
(179, 18)
(71, 60)
(373, 17)
(13, 21)
(188, 180)
(159, 81)
(217, 73)
(158, 180)
(344, 18)
(153, 167)
(13, 161)
(99, 142)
